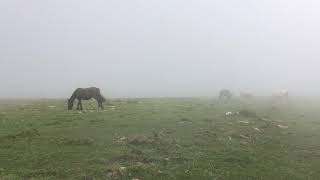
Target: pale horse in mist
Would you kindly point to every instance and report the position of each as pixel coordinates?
(245, 95)
(282, 95)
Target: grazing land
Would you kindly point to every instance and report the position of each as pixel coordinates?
(165, 138)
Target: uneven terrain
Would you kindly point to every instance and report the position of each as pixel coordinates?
(164, 138)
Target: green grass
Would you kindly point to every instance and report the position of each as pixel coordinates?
(160, 139)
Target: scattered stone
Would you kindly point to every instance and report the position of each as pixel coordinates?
(283, 126)
(228, 113)
(230, 138)
(244, 122)
(243, 136)
(185, 120)
(167, 159)
(122, 170)
(257, 129)
(112, 108)
(122, 138)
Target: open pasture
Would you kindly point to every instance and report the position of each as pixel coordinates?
(165, 138)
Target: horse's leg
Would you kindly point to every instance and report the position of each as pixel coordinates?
(97, 101)
(81, 108)
(78, 105)
(101, 105)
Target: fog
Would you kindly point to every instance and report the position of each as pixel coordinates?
(144, 48)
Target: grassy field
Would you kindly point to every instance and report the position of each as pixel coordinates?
(160, 139)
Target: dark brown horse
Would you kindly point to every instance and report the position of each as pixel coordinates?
(86, 94)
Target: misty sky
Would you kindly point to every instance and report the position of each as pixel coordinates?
(158, 48)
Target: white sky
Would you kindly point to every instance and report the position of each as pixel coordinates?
(158, 48)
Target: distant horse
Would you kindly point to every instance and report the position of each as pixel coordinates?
(225, 93)
(282, 95)
(246, 95)
(86, 94)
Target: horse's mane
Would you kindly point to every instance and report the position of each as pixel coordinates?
(73, 96)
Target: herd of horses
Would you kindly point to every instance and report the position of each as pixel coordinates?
(94, 92)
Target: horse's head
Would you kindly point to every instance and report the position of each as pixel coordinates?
(70, 104)
(101, 99)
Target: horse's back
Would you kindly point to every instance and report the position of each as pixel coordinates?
(94, 89)
(86, 93)
(89, 89)
(225, 92)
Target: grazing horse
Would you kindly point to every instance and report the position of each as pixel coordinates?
(225, 93)
(86, 94)
(281, 95)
